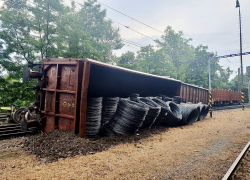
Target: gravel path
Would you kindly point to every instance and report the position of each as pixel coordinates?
(204, 150)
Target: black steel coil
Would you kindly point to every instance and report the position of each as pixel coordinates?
(93, 116)
(153, 112)
(177, 99)
(164, 111)
(206, 110)
(198, 106)
(134, 96)
(190, 113)
(127, 119)
(201, 108)
(165, 98)
(174, 115)
(109, 106)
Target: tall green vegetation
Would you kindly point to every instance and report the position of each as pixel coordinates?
(35, 29)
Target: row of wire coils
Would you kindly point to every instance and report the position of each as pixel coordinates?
(113, 115)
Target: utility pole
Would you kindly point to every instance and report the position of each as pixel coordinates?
(241, 66)
(248, 78)
(210, 56)
(209, 74)
(239, 81)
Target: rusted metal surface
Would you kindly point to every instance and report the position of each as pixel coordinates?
(194, 94)
(35, 74)
(65, 123)
(83, 107)
(66, 104)
(61, 90)
(49, 124)
(225, 95)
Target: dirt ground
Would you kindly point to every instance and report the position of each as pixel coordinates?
(204, 150)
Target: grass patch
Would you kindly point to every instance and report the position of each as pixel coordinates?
(11, 153)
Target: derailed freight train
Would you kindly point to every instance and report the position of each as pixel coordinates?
(88, 96)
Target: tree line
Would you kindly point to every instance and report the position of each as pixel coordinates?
(31, 30)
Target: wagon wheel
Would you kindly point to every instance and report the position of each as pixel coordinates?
(17, 114)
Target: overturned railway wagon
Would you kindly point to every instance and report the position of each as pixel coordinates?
(65, 84)
(194, 94)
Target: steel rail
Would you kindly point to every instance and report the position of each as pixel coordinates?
(231, 171)
(218, 108)
(7, 131)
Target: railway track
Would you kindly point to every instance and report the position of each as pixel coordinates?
(232, 172)
(3, 117)
(8, 131)
(219, 108)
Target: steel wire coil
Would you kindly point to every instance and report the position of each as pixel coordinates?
(206, 110)
(134, 96)
(198, 106)
(177, 99)
(174, 115)
(164, 111)
(190, 114)
(202, 110)
(153, 112)
(109, 106)
(165, 98)
(93, 116)
(127, 119)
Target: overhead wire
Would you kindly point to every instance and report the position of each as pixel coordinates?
(122, 24)
(132, 47)
(242, 49)
(132, 42)
(124, 40)
(130, 17)
(229, 61)
(130, 28)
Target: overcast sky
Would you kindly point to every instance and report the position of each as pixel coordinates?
(208, 22)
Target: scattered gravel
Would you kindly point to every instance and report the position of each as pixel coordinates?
(62, 144)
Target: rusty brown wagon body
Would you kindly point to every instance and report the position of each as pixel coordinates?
(194, 94)
(66, 84)
(221, 96)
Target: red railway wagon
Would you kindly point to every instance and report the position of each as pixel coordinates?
(194, 94)
(65, 84)
(221, 96)
(235, 97)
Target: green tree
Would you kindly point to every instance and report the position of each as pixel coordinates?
(127, 60)
(155, 62)
(45, 29)
(175, 46)
(233, 85)
(106, 37)
(44, 26)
